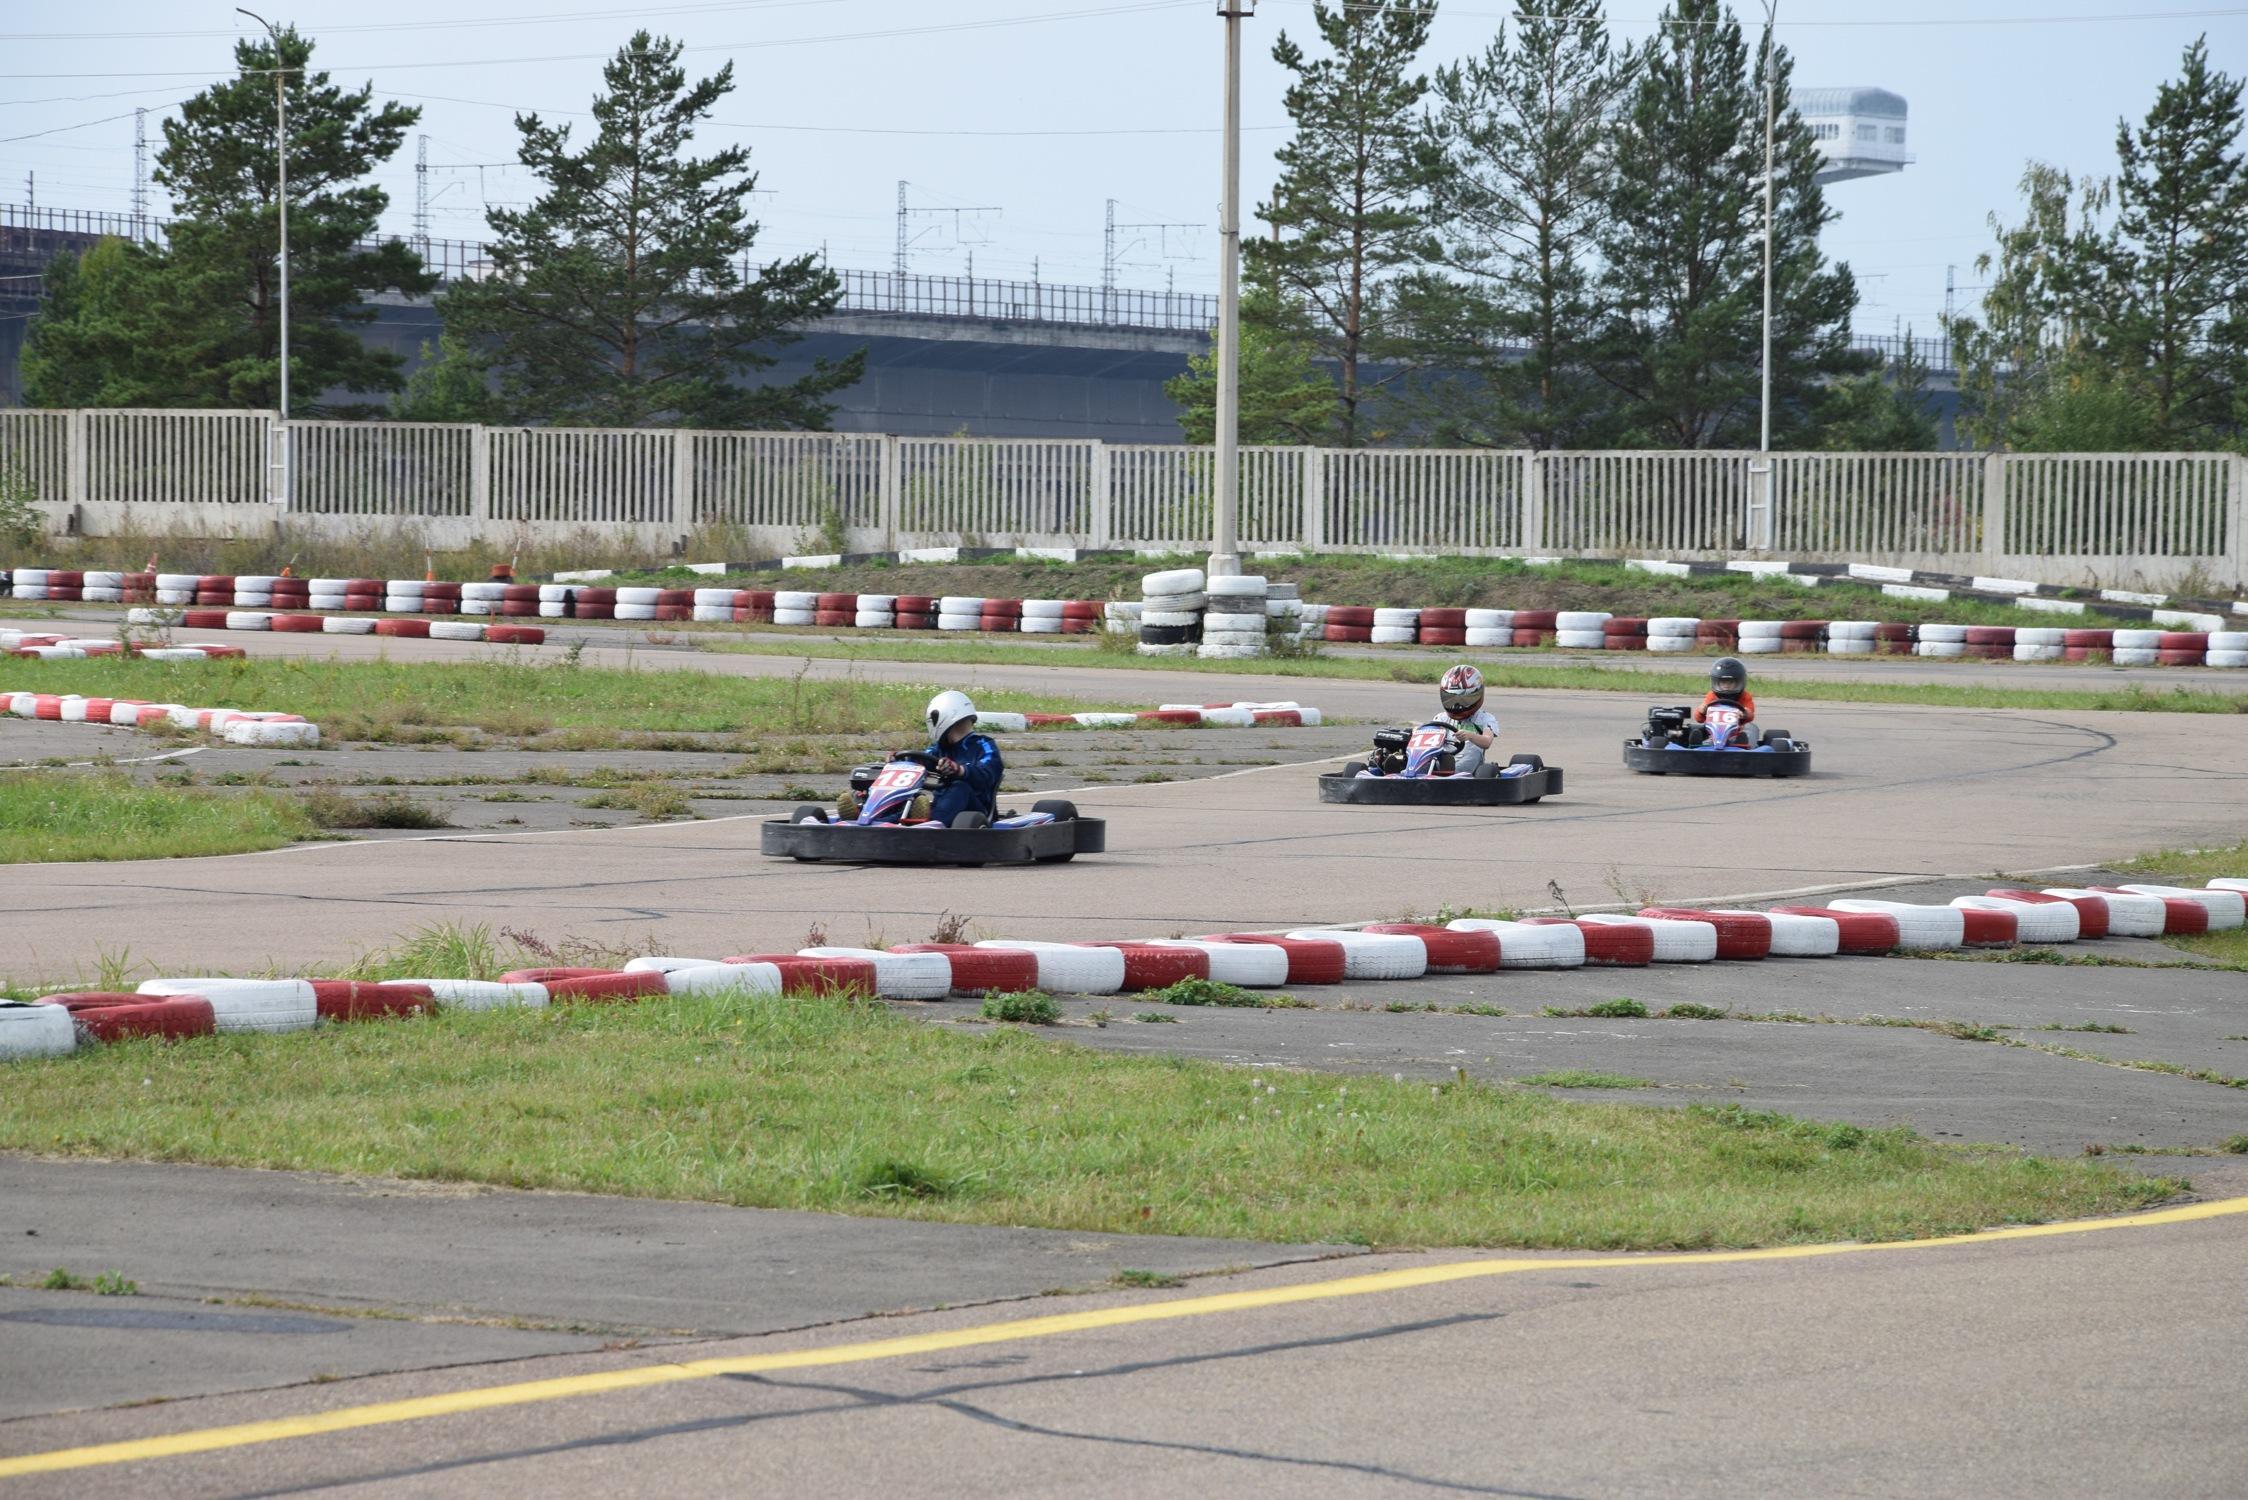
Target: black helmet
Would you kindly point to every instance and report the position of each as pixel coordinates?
(1728, 677)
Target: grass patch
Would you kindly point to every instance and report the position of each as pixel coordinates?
(2190, 867)
(333, 809)
(650, 800)
(1578, 1078)
(2226, 949)
(575, 705)
(2100, 1026)
(1155, 1018)
(839, 1107)
(109, 817)
(1132, 1278)
(1623, 1007)
(1690, 1011)
(1192, 991)
(1513, 672)
(1029, 1007)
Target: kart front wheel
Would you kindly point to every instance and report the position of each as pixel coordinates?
(807, 812)
(1534, 762)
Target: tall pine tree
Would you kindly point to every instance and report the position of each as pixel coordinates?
(1348, 212)
(623, 296)
(1523, 136)
(1682, 248)
(2177, 311)
(219, 275)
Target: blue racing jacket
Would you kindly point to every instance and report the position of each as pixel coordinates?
(978, 786)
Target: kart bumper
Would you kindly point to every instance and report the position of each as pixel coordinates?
(852, 843)
(1661, 760)
(1444, 791)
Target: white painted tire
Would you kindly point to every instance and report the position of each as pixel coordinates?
(455, 630)
(1661, 626)
(2034, 921)
(1174, 581)
(401, 604)
(1851, 630)
(1917, 926)
(1182, 648)
(490, 592)
(635, 595)
(960, 604)
(1489, 638)
(1850, 647)
(1939, 648)
(1396, 635)
(2128, 915)
(1490, 619)
(1373, 955)
(2229, 883)
(2138, 640)
(719, 979)
(1209, 651)
(188, 581)
(1676, 942)
(1410, 618)
(1066, 969)
(1581, 619)
(1946, 634)
(713, 614)
(898, 976)
(799, 599)
(1524, 946)
(2228, 640)
(634, 612)
(2225, 659)
(2037, 653)
(346, 625)
(2227, 909)
(246, 619)
(2039, 635)
(711, 597)
(248, 1004)
(482, 994)
(865, 619)
(792, 616)
(1175, 603)
(1215, 637)
(292, 734)
(1253, 966)
(556, 610)
(1795, 936)
(1581, 640)
(28, 1031)
(2135, 656)
(1235, 586)
(664, 963)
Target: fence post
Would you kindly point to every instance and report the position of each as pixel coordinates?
(75, 479)
(682, 486)
(887, 486)
(1101, 482)
(480, 482)
(1994, 509)
(1533, 502)
(1315, 500)
(2236, 524)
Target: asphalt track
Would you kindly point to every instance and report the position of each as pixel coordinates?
(2058, 1361)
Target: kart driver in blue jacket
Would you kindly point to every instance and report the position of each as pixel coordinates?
(970, 759)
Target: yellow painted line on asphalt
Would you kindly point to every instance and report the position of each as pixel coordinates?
(568, 1387)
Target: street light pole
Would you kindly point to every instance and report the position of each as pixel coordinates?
(1225, 543)
(281, 193)
(1764, 535)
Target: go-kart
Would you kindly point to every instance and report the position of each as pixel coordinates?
(891, 825)
(1414, 767)
(1720, 744)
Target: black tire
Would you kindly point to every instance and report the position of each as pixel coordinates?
(1534, 762)
(1064, 812)
(1352, 768)
(972, 818)
(1487, 770)
(807, 809)
(1780, 744)
(1777, 734)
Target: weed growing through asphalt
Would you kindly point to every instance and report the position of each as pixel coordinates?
(333, 809)
(1578, 1078)
(1129, 1277)
(1030, 1007)
(1623, 1007)
(649, 800)
(2102, 1026)
(1690, 1011)
(1197, 991)
(1155, 1017)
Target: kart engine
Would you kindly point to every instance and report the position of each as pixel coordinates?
(1389, 750)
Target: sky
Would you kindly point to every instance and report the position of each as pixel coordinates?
(1035, 113)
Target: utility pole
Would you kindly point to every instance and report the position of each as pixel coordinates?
(1225, 542)
(31, 191)
(281, 198)
(906, 237)
(140, 174)
(421, 197)
(1111, 256)
(1762, 531)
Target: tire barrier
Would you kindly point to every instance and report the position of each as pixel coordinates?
(982, 971)
(1740, 935)
(1614, 946)
(2034, 921)
(1373, 955)
(1310, 960)
(1450, 950)
(1531, 945)
(1676, 942)
(1253, 966)
(235, 726)
(106, 1017)
(1153, 966)
(1928, 927)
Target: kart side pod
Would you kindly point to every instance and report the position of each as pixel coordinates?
(1538, 781)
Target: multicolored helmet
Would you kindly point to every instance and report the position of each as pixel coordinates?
(1461, 691)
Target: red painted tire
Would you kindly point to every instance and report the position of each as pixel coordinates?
(2181, 658)
(1000, 624)
(514, 635)
(1988, 651)
(2180, 914)
(2091, 911)
(1892, 632)
(1310, 960)
(609, 987)
(1989, 929)
(299, 624)
(904, 622)
(1443, 619)
(1527, 637)
(1011, 609)
(1081, 609)
(1624, 625)
(669, 611)
(1990, 635)
(1802, 630)
(849, 602)
(1450, 952)
(835, 617)
(2182, 640)
(1333, 632)
(1442, 635)
(908, 604)
(1537, 619)
(1739, 934)
(1861, 931)
(981, 971)
(1349, 614)
(362, 604)
(2097, 640)
(675, 597)
(105, 1017)
(1147, 967)
(1170, 716)
(550, 975)
(349, 1000)
(203, 619)
(409, 628)
(518, 609)
(816, 976)
(215, 583)
(519, 593)
(1627, 643)
(1076, 625)
(1608, 944)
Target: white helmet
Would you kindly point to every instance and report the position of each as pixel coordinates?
(945, 710)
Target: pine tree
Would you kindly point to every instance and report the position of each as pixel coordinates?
(215, 338)
(623, 296)
(2179, 271)
(1887, 411)
(1523, 135)
(451, 385)
(111, 331)
(1284, 397)
(1348, 211)
(1682, 248)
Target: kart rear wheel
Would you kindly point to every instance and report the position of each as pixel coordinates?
(1352, 769)
(807, 812)
(1534, 762)
(1487, 770)
(1777, 734)
(972, 818)
(1780, 744)
(1064, 812)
